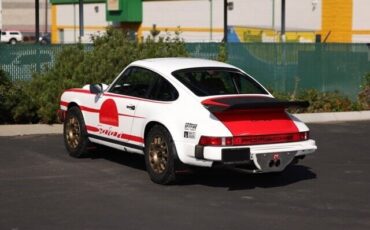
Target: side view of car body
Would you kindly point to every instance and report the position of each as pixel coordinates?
(11, 37)
(186, 111)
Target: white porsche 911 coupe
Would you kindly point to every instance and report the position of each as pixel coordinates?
(185, 111)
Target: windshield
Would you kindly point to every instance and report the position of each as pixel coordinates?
(215, 81)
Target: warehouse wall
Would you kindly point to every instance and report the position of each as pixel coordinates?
(20, 15)
(66, 25)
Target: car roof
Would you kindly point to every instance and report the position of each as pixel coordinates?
(169, 65)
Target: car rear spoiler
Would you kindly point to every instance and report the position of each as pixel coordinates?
(222, 104)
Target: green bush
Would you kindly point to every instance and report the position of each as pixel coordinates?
(5, 107)
(15, 104)
(364, 95)
(319, 101)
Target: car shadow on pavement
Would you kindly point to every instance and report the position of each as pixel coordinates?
(236, 180)
(214, 177)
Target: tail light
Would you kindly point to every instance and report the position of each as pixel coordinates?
(253, 139)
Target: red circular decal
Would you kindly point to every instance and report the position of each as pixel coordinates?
(108, 113)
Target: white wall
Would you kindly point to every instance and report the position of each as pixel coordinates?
(361, 15)
(1, 15)
(68, 19)
(20, 15)
(251, 13)
(187, 15)
(301, 15)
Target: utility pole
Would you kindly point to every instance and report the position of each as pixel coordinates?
(282, 20)
(46, 16)
(37, 21)
(210, 20)
(81, 10)
(225, 21)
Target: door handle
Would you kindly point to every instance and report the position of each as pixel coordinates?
(131, 107)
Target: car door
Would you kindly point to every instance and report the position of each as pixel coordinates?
(119, 106)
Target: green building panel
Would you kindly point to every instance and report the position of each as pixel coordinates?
(117, 10)
(124, 10)
(75, 1)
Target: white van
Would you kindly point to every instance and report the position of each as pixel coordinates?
(11, 37)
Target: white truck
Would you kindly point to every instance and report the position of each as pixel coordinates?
(11, 37)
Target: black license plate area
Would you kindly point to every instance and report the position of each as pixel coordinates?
(236, 155)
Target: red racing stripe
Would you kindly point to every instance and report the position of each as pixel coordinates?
(78, 90)
(132, 138)
(87, 109)
(116, 134)
(134, 98)
(91, 128)
(64, 103)
(127, 115)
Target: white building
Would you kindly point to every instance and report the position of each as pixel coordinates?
(202, 20)
(20, 15)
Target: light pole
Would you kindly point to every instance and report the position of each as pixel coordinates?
(283, 20)
(81, 14)
(210, 20)
(225, 21)
(37, 21)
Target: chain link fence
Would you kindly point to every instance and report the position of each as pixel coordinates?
(284, 67)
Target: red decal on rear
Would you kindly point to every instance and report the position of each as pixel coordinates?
(261, 122)
(108, 113)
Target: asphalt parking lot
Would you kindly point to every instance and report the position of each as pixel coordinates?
(41, 187)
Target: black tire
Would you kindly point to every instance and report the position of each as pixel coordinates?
(160, 155)
(13, 41)
(74, 133)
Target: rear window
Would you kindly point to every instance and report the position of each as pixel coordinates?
(215, 81)
(14, 33)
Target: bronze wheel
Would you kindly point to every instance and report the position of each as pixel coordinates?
(75, 135)
(73, 132)
(158, 154)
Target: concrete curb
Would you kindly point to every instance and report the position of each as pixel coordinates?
(19, 130)
(334, 117)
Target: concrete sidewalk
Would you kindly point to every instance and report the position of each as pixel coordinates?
(17, 130)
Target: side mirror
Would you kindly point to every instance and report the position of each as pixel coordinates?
(96, 88)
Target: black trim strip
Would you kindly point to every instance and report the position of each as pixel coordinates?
(117, 142)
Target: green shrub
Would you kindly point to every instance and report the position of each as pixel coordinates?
(5, 107)
(364, 95)
(319, 101)
(15, 103)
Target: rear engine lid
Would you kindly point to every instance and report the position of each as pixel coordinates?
(245, 116)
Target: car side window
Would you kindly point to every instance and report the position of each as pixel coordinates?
(143, 83)
(163, 91)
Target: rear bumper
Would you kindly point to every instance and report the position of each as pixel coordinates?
(264, 158)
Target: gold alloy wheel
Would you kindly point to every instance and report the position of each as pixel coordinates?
(158, 154)
(73, 132)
